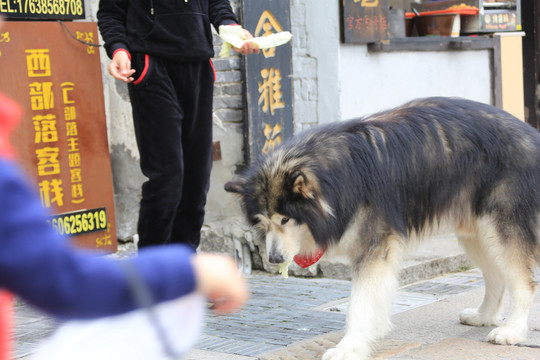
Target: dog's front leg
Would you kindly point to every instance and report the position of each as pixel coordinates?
(375, 280)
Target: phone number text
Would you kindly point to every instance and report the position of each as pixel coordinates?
(80, 222)
(42, 7)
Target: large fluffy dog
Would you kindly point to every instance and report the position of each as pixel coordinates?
(370, 188)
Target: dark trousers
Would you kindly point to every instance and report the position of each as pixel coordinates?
(172, 113)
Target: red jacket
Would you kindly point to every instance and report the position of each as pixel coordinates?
(10, 112)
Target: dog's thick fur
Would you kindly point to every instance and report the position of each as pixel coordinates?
(369, 188)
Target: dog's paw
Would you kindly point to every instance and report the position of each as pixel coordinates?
(506, 335)
(345, 354)
(474, 318)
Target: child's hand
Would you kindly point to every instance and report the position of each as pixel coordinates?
(219, 280)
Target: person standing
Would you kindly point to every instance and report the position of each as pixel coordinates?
(163, 50)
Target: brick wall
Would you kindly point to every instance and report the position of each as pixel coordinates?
(305, 69)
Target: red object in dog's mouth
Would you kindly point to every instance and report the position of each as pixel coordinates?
(309, 259)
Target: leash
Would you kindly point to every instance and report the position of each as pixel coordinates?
(145, 300)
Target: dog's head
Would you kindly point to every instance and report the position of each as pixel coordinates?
(283, 201)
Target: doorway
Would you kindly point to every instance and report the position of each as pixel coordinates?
(530, 18)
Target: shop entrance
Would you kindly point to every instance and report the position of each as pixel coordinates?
(530, 17)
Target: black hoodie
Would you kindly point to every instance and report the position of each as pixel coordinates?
(177, 30)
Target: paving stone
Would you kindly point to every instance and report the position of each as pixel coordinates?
(297, 314)
(459, 349)
(389, 348)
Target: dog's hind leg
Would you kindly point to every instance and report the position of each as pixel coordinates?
(511, 258)
(375, 280)
(490, 312)
(520, 282)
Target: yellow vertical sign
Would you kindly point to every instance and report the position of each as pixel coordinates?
(271, 96)
(268, 79)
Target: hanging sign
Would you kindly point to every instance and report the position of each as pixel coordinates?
(268, 79)
(62, 139)
(364, 21)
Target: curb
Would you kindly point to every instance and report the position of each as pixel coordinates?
(433, 268)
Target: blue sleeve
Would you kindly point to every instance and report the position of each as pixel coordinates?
(45, 270)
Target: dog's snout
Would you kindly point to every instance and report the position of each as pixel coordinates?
(275, 258)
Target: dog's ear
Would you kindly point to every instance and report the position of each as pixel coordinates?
(236, 186)
(301, 185)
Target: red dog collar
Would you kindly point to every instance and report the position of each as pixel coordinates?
(309, 259)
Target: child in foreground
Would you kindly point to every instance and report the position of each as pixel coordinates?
(46, 271)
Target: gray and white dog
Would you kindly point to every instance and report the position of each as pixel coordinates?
(370, 189)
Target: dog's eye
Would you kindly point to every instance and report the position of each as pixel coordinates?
(284, 220)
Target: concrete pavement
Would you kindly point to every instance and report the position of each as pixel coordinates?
(300, 318)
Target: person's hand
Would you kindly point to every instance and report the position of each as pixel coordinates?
(218, 279)
(248, 47)
(120, 67)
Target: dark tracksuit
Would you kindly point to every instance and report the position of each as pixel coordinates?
(170, 44)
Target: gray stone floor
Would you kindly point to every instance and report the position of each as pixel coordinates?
(299, 318)
(279, 312)
(31, 326)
